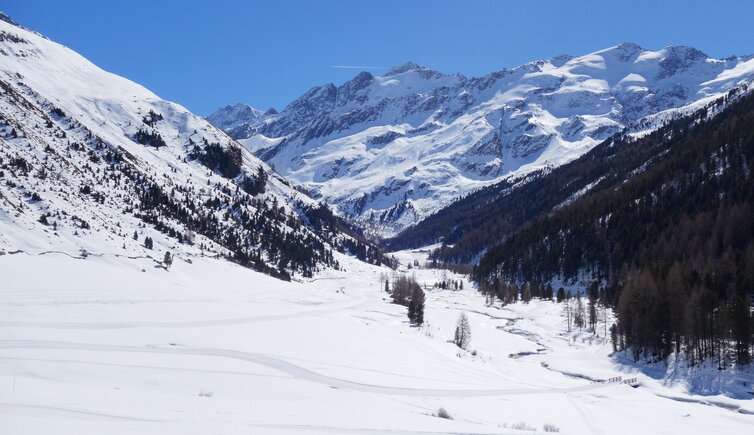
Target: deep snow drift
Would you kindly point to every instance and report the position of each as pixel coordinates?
(111, 345)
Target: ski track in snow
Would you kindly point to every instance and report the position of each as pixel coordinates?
(14, 408)
(293, 370)
(351, 430)
(336, 357)
(135, 366)
(183, 324)
(594, 429)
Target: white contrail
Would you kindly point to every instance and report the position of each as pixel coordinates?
(357, 67)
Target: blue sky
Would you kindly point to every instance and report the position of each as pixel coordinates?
(207, 54)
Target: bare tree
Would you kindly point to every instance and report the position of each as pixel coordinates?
(403, 288)
(462, 336)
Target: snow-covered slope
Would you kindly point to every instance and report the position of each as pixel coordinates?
(97, 346)
(92, 162)
(395, 148)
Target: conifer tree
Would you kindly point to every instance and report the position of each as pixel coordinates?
(592, 306)
(561, 294)
(578, 315)
(614, 337)
(462, 337)
(526, 293)
(417, 301)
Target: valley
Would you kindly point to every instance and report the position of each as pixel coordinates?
(563, 246)
(125, 347)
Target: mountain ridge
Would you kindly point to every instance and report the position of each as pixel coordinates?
(91, 162)
(390, 150)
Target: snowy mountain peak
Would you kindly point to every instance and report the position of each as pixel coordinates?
(630, 46)
(389, 150)
(362, 77)
(314, 100)
(625, 52)
(678, 59)
(686, 52)
(361, 81)
(403, 68)
(560, 60)
(231, 116)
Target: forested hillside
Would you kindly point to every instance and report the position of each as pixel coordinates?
(484, 218)
(671, 243)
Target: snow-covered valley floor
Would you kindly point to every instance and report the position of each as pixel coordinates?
(112, 345)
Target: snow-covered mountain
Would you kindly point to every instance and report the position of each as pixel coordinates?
(93, 163)
(393, 149)
(234, 115)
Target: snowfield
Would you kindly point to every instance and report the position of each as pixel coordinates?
(122, 346)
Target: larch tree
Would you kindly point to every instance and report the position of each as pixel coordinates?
(462, 336)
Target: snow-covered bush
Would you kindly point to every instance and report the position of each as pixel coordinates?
(523, 426)
(551, 428)
(442, 413)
